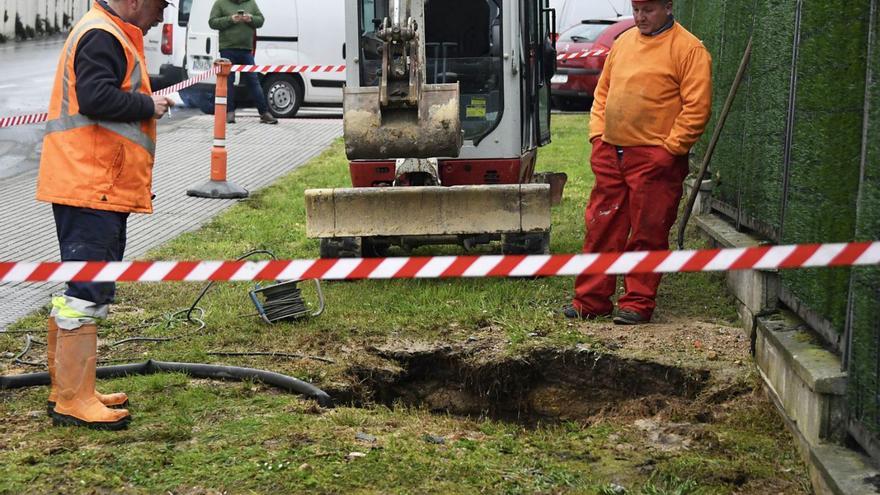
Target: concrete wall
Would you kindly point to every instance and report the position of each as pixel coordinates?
(25, 19)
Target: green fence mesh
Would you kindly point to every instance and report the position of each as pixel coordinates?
(826, 149)
(766, 95)
(864, 370)
(813, 187)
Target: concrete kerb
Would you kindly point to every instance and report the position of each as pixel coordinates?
(803, 379)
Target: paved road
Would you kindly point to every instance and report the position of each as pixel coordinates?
(258, 155)
(25, 86)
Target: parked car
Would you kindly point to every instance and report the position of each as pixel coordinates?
(575, 81)
(296, 32)
(165, 49)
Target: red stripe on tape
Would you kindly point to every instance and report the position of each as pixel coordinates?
(272, 270)
(364, 268)
(507, 264)
(553, 265)
(749, 258)
(602, 263)
(412, 267)
(134, 272)
(226, 270)
(89, 271)
(180, 271)
(850, 254)
(799, 255)
(651, 262)
(43, 272)
(319, 268)
(699, 260)
(458, 267)
(6, 267)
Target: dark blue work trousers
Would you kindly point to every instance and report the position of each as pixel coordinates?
(85, 234)
(244, 57)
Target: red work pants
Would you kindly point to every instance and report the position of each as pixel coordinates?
(632, 208)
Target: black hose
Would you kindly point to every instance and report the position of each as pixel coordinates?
(212, 371)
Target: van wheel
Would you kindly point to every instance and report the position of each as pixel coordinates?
(284, 94)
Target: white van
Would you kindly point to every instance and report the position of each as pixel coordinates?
(296, 32)
(571, 12)
(165, 47)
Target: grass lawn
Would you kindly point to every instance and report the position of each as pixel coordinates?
(456, 386)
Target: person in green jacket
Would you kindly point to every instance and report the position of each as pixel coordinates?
(238, 21)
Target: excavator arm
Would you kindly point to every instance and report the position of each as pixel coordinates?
(402, 117)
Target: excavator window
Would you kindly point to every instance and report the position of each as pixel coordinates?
(462, 44)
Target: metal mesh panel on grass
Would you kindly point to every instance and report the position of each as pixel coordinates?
(826, 146)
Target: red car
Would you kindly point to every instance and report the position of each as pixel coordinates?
(581, 53)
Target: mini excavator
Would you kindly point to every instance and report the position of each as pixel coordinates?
(445, 105)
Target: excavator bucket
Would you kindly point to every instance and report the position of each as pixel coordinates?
(431, 129)
(402, 116)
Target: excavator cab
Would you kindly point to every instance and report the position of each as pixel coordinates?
(446, 103)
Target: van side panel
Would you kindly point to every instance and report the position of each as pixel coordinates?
(321, 41)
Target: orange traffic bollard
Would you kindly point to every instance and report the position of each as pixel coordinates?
(218, 186)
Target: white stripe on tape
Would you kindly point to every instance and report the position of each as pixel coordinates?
(204, 270)
(871, 256)
(482, 266)
(295, 270)
(112, 271)
(774, 257)
(342, 269)
(824, 254)
(66, 271)
(388, 268)
(435, 267)
(530, 265)
(20, 271)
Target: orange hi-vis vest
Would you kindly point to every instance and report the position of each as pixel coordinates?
(92, 163)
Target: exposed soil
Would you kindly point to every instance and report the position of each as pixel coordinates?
(629, 372)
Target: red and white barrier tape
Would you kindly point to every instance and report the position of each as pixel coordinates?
(763, 257)
(23, 120)
(38, 118)
(189, 82)
(583, 54)
(288, 68)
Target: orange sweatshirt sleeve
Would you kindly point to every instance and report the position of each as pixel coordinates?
(600, 98)
(696, 99)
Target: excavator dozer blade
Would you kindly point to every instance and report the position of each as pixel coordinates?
(427, 211)
(433, 129)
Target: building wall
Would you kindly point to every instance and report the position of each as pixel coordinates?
(26, 19)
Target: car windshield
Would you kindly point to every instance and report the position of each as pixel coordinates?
(584, 33)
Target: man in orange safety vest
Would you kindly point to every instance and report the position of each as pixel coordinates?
(96, 169)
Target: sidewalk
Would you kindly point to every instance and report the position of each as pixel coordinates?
(258, 155)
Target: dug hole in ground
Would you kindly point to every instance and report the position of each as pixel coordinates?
(443, 386)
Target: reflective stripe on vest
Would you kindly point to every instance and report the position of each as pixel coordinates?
(65, 122)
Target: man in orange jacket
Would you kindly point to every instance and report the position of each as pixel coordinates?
(96, 169)
(651, 105)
